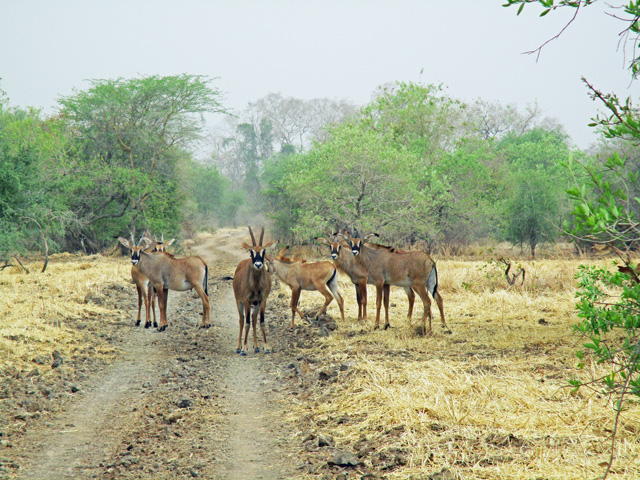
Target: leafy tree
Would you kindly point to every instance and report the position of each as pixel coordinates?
(531, 210)
(32, 210)
(534, 207)
(410, 166)
(129, 134)
(421, 120)
(357, 179)
(209, 198)
(477, 193)
(419, 117)
(605, 214)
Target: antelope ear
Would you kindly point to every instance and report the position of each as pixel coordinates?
(345, 244)
(323, 241)
(146, 240)
(125, 242)
(268, 244)
(170, 242)
(246, 246)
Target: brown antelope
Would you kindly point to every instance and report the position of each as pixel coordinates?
(301, 275)
(387, 266)
(345, 262)
(251, 287)
(145, 291)
(166, 273)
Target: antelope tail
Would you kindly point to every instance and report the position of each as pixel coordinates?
(333, 277)
(333, 286)
(432, 281)
(204, 282)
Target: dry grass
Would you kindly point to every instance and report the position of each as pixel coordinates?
(35, 308)
(490, 400)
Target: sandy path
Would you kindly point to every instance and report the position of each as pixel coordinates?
(252, 446)
(86, 435)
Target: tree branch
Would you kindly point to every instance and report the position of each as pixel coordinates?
(555, 37)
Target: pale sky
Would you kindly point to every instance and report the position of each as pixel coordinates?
(338, 49)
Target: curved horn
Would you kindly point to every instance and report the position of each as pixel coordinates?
(261, 236)
(253, 239)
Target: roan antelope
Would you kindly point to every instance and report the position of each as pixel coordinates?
(166, 273)
(301, 275)
(251, 287)
(345, 262)
(386, 267)
(145, 291)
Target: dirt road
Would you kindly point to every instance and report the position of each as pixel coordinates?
(177, 404)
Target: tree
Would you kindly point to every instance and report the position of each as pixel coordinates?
(358, 179)
(297, 122)
(419, 117)
(533, 208)
(129, 134)
(410, 166)
(429, 125)
(209, 197)
(32, 210)
(247, 144)
(605, 214)
(493, 121)
(476, 187)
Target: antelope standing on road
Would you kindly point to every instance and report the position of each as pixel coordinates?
(251, 287)
(345, 262)
(386, 267)
(166, 273)
(300, 275)
(145, 291)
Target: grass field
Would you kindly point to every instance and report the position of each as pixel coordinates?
(37, 307)
(490, 400)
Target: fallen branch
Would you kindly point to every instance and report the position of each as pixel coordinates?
(17, 257)
(6, 264)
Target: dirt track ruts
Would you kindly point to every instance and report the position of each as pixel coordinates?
(178, 404)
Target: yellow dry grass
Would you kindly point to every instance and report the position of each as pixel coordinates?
(35, 308)
(489, 401)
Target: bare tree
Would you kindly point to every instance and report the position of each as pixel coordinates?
(494, 120)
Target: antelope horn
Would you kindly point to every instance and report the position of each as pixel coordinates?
(261, 235)
(253, 239)
(370, 235)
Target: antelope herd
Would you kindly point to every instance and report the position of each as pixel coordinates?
(165, 273)
(155, 272)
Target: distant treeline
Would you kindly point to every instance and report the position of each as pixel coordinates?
(414, 165)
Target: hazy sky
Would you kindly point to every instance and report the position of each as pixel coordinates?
(316, 48)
